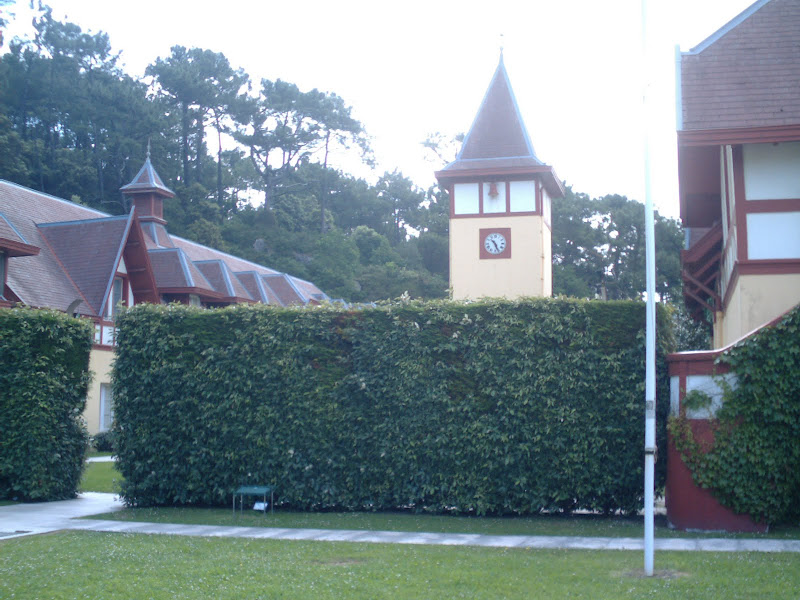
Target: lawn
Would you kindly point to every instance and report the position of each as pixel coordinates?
(101, 477)
(577, 525)
(109, 565)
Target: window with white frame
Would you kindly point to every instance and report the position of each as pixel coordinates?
(106, 407)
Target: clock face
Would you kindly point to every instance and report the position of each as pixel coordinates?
(494, 243)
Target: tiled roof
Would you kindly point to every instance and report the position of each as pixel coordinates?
(747, 74)
(197, 251)
(173, 270)
(256, 288)
(89, 250)
(40, 280)
(9, 232)
(156, 235)
(223, 279)
(308, 290)
(79, 247)
(498, 143)
(12, 242)
(147, 180)
(284, 289)
(498, 132)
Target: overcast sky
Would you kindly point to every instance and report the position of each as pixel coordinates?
(412, 68)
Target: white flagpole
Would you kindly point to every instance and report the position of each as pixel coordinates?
(650, 354)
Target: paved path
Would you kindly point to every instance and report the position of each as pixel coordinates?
(27, 519)
(101, 459)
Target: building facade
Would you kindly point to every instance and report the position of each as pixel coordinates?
(739, 170)
(61, 255)
(500, 204)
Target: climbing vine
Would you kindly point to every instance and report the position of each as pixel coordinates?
(753, 465)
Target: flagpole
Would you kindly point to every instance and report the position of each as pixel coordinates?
(650, 341)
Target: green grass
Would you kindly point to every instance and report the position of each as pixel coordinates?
(121, 566)
(104, 477)
(578, 525)
(6, 502)
(101, 477)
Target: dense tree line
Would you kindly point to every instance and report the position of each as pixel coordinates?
(249, 162)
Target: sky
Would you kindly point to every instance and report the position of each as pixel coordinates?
(413, 68)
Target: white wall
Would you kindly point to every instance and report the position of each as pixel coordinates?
(465, 199)
(523, 196)
(772, 171)
(773, 235)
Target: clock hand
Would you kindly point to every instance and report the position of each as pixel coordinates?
(496, 247)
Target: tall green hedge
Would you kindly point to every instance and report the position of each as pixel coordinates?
(754, 464)
(44, 377)
(491, 407)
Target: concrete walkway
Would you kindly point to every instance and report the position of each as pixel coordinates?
(101, 459)
(27, 519)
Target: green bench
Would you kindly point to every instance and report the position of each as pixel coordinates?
(257, 491)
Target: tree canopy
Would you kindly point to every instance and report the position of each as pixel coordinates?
(250, 166)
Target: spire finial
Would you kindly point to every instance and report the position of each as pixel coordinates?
(148, 148)
(501, 47)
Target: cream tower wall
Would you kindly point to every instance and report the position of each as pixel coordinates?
(529, 271)
(100, 362)
(754, 301)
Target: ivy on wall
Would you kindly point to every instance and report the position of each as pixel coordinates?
(492, 407)
(44, 378)
(753, 465)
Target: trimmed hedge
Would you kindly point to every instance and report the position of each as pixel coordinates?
(753, 466)
(44, 378)
(492, 407)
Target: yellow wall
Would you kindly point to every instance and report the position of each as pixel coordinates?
(527, 273)
(756, 299)
(100, 366)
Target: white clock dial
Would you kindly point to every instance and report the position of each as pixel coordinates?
(494, 243)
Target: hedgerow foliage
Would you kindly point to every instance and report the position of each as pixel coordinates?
(492, 407)
(753, 466)
(44, 377)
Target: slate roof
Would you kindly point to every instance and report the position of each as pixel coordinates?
(747, 74)
(498, 141)
(156, 235)
(146, 180)
(41, 280)
(80, 248)
(89, 250)
(222, 279)
(12, 242)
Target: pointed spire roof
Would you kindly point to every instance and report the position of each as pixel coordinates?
(498, 142)
(147, 180)
(498, 130)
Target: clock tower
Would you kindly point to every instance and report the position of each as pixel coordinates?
(500, 195)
